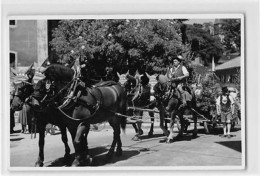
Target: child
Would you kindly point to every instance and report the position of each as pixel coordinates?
(225, 108)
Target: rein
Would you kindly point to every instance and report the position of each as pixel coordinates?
(98, 105)
(51, 100)
(85, 104)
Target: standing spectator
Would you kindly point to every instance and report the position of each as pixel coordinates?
(26, 114)
(12, 121)
(225, 108)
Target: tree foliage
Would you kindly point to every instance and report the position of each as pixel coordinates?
(203, 44)
(232, 31)
(122, 44)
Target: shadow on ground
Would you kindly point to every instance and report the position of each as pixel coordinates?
(99, 157)
(100, 160)
(16, 139)
(235, 145)
(154, 136)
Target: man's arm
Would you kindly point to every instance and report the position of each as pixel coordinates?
(232, 104)
(218, 106)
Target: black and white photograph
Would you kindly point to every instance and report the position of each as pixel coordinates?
(129, 87)
(122, 92)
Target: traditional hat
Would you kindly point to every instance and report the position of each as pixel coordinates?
(175, 57)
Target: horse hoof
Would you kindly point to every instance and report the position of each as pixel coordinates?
(169, 141)
(88, 160)
(109, 157)
(39, 164)
(141, 132)
(163, 140)
(167, 133)
(136, 138)
(194, 136)
(75, 163)
(150, 134)
(67, 158)
(178, 137)
(119, 152)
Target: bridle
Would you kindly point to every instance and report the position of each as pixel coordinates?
(52, 99)
(21, 95)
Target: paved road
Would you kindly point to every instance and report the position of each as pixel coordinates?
(205, 150)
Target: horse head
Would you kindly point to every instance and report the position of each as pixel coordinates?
(57, 78)
(22, 90)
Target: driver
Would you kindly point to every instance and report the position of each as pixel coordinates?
(177, 75)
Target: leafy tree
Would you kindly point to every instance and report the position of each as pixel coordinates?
(122, 44)
(231, 29)
(204, 44)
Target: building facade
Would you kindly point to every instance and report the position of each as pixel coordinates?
(28, 42)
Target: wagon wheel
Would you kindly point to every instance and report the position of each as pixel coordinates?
(97, 127)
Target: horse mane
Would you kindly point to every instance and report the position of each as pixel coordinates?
(58, 72)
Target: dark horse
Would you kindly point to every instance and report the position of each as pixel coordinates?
(48, 114)
(22, 90)
(138, 94)
(105, 101)
(165, 92)
(85, 105)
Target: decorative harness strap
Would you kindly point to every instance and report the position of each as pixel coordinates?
(93, 108)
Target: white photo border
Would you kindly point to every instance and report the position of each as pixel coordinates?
(244, 74)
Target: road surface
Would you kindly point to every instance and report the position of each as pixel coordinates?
(205, 150)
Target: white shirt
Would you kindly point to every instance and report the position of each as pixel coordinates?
(224, 100)
(184, 70)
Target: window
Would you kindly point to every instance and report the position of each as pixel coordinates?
(12, 23)
(13, 59)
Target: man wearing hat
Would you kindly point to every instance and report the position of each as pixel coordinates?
(225, 108)
(178, 72)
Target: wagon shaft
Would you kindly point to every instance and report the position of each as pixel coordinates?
(140, 109)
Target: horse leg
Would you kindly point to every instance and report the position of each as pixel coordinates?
(79, 148)
(64, 139)
(41, 129)
(135, 127)
(195, 131)
(119, 151)
(138, 126)
(165, 125)
(84, 145)
(162, 116)
(171, 126)
(111, 151)
(150, 134)
(182, 126)
(165, 132)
